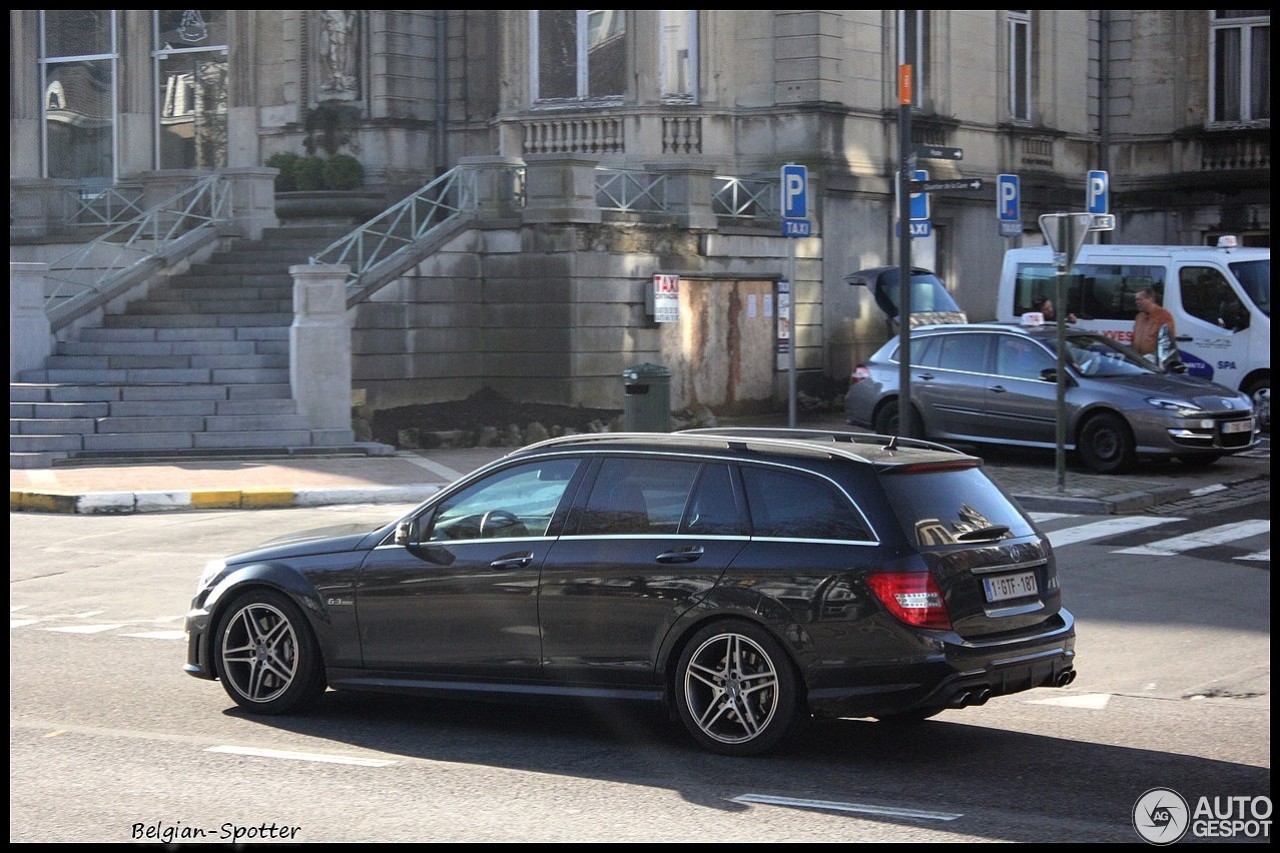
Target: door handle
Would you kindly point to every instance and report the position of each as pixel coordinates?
(999, 389)
(925, 376)
(684, 555)
(519, 561)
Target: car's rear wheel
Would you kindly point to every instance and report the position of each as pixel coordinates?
(736, 690)
(1106, 444)
(266, 656)
(887, 420)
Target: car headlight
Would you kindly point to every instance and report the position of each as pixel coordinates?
(211, 570)
(1181, 408)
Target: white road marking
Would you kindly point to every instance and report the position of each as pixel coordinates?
(1208, 490)
(1223, 533)
(858, 808)
(1260, 556)
(301, 756)
(21, 623)
(434, 467)
(85, 629)
(1106, 527)
(1051, 516)
(1092, 701)
(160, 635)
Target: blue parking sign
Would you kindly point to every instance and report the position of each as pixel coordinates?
(795, 191)
(1097, 192)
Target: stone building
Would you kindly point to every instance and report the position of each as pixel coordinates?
(547, 292)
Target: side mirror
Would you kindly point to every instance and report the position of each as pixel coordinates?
(1175, 367)
(407, 532)
(1049, 374)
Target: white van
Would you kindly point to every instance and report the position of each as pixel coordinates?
(1220, 299)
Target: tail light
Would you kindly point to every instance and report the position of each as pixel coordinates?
(912, 597)
(859, 373)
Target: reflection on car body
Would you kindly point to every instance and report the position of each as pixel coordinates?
(746, 579)
(990, 383)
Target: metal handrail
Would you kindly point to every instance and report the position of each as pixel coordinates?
(631, 191)
(94, 270)
(105, 205)
(746, 198)
(390, 242)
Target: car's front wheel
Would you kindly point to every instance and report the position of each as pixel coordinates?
(736, 690)
(1106, 444)
(266, 655)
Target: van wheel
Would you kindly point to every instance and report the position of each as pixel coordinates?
(1106, 445)
(1259, 390)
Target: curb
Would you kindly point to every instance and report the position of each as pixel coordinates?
(102, 503)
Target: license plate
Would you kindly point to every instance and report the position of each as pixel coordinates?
(1238, 426)
(1010, 586)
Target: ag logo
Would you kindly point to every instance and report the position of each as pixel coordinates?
(1161, 816)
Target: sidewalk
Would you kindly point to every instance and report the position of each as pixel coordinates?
(411, 476)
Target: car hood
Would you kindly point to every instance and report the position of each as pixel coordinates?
(1207, 395)
(332, 539)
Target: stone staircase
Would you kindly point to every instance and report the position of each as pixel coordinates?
(198, 368)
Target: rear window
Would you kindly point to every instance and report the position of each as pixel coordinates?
(941, 507)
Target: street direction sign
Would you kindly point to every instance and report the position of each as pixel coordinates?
(935, 186)
(939, 152)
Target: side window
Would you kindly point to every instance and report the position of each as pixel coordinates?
(966, 352)
(925, 352)
(1020, 358)
(1207, 295)
(634, 495)
(516, 501)
(714, 510)
(791, 505)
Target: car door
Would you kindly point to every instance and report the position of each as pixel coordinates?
(650, 540)
(1021, 403)
(949, 393)
(461, 598)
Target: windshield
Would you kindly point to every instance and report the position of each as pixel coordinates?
(1094, 355)
(1255, 276)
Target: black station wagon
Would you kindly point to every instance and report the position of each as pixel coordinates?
(748, 579)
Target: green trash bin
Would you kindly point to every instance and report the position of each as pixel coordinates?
(646, 398)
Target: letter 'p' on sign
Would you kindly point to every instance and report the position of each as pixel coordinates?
(795, 186)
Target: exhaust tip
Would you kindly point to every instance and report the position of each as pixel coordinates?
(1065, 677)
(981, 697)
(962, 700)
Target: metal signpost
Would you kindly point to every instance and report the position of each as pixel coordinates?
(795, 223)
(1065, 233)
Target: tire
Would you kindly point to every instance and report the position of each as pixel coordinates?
(1106, 444)
(1259, 390)
(736, 690)
(886, 422)
(266, 655)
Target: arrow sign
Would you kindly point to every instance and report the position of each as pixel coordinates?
(938, 152)
(935, 186)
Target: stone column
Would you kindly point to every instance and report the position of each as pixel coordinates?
(253, 199)
(320, 346)
(38, 206)
(689, 191)
(30, 341)
(495, 185)
(560, 188)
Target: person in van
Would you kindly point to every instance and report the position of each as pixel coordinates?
(1044, 305)
(1146, 325)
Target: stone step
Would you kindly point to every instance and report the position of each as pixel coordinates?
(190, 333)
(151, 408)
(186, 321)
(210, 305)
(132, 362)
(106, 392)
(186, 348)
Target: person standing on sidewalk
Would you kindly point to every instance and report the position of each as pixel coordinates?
(1146, 325)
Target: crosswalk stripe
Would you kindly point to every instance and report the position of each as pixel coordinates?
(1106, 527)
(1223, 533)
(1261, 556)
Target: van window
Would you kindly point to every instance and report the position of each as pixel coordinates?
(1094, 291)
(1255, 277)
(1207, 296)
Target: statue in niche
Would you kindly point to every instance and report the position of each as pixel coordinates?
(338, 53)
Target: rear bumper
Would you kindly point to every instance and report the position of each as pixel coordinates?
(957, 676)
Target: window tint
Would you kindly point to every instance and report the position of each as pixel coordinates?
(1021, 358)
(965, 352)
(1094, 291)
(940, 507)
(1207, 295)
(634, 495)
(798, 506)
(713, 509)
(516, 501)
